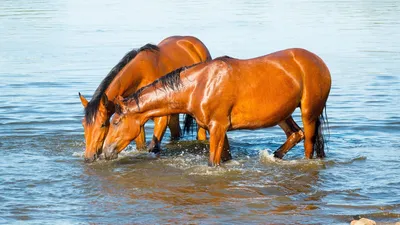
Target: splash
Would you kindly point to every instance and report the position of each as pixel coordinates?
(267, 158)
(78, 154)
(129, 152)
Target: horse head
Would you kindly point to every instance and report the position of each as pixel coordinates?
(95, 125)
(124, 127)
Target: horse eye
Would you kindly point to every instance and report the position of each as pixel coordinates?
(103, 125)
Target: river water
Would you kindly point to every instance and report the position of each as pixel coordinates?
(50, 50)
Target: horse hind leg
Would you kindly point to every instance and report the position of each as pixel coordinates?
(314, 141)
(294, 135)
(174, 127)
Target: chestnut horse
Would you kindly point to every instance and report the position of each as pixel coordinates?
(136, 69)
(228, 94)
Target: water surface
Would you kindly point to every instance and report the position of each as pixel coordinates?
(50, 50)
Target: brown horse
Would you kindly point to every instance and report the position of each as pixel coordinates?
(136, 69)
(228, 94)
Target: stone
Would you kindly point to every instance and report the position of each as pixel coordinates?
(363, 221)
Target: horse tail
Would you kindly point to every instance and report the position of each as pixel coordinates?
(188, 124)
(320, 141)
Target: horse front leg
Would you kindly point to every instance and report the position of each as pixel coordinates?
(217, 140)
(160, 125)
(293, 134)
(141, 140)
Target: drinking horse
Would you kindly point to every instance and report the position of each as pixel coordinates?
(136, 69)
(229, 94)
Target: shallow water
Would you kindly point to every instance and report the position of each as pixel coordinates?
(50, 50)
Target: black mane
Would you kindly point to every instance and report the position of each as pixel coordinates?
(170, 81)
(92, 107)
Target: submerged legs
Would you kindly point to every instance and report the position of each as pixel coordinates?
(294, 135)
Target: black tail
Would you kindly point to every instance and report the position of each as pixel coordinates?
(319, 144)
(188, 124)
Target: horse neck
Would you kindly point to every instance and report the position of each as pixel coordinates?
(161, 101)
(129, 78)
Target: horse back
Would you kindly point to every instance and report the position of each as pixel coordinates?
(179, 51)
(262, 91)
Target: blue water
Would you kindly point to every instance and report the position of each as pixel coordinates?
(51, 50)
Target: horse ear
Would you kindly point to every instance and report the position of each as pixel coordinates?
(83, 100)
(104, 100)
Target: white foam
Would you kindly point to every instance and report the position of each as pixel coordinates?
(267, 157)
(129, 151)
(205, 170)
(78, 154)
(232, 162)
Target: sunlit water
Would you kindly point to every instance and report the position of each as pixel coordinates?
(50, 50)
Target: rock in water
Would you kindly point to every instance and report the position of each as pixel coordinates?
(363, 221)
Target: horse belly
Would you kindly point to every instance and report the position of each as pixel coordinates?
(260, 113)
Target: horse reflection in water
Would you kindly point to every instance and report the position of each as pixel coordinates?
(136, 69)
(229, 94)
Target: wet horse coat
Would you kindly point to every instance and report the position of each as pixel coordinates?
(228, 94)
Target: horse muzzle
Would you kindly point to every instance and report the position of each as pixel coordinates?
(110, 152)
(91, 159)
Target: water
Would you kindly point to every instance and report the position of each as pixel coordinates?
(50, 50)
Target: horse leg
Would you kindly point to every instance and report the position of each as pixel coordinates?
(201, 134)
(174, 127)
(309, 132)
(141, 140)
(217, 140)
(314, 141)
(311, 114)
(226, 153)
(293, 134)
(160, 125)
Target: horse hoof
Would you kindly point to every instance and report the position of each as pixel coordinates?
(155, 149)
(278, 155)
(175, 138)
(212, 164)
(226, 159)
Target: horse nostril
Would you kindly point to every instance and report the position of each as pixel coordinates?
(101, 156)
(110, 154)
(89, 160)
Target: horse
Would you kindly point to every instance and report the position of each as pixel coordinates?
(139, 67)
(229, 94)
